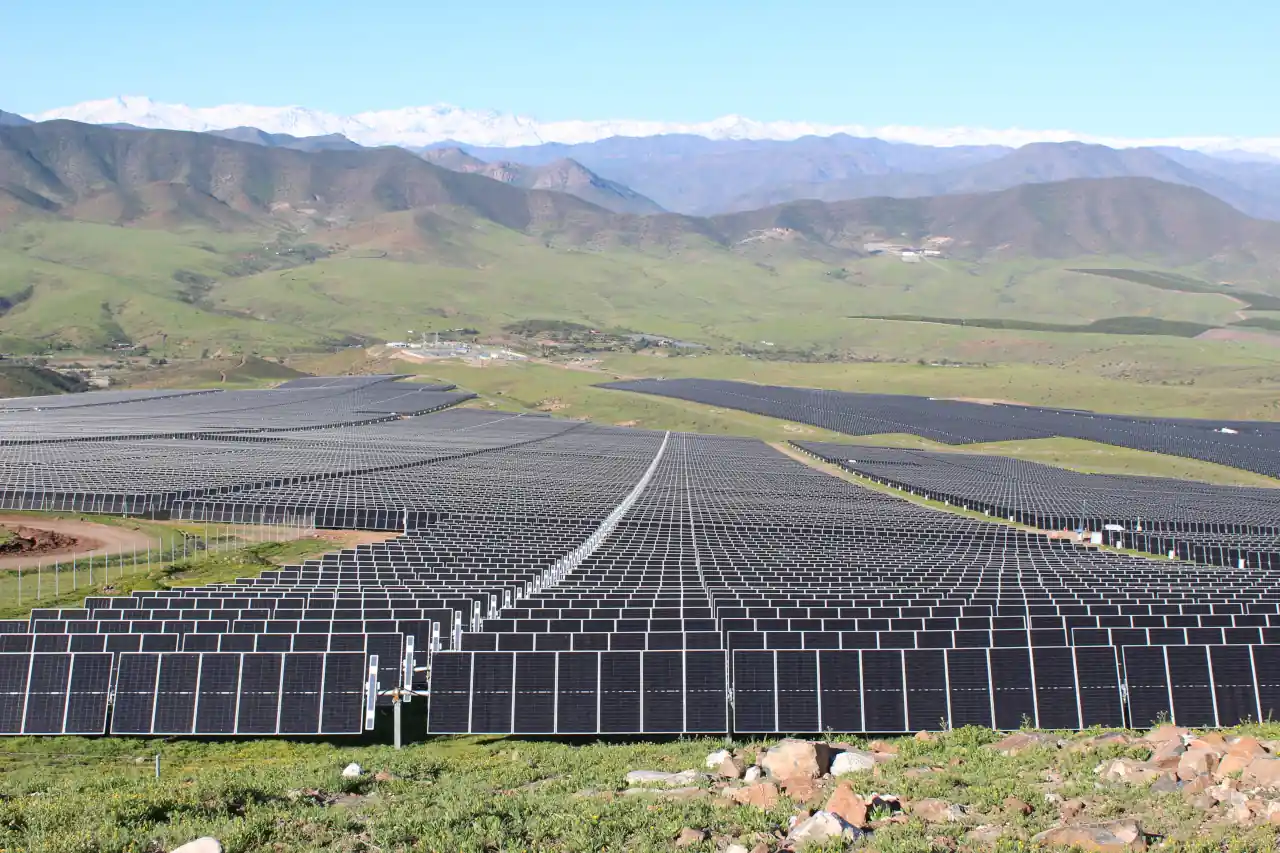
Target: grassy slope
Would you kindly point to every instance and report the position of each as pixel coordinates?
(71, 795)
(487, 276)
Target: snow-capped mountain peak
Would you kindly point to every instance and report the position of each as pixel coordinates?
(424, 125)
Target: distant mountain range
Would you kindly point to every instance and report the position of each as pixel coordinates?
(369, 197)
(564, 175)
(703, 177)
(695, 174)
(419, 126)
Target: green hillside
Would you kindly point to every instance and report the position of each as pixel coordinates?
(199, 247)
(84, 286)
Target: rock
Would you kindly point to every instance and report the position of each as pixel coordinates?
(1202, 801)
(352, 771)
(1073, 808)
(1196, 762)
(736, 848)
(1020, 742)
(1013, 805)
(1166, 783)
(1197, 785)
(752, 774)
(200, 845)
(938, 811)
(762, 795)
(882, 747)
(1167, 754)
(1052, 799)
(1211, 742)
(926, 737)
(1119, 835)
(1262, 773)
(1161, 734)
(986, 835)
(689, 837)
(717, 758)
(384, 776)
(792, 759)
(1225, 793)
(1102, 740)
(761, 847)
(848, 806)
(658, 779)
(690, 793)
(942, 842)
(1246, 746)
(1271, 811)
(1232, 764)
(821, 828)
(731, 768)
(852, 761)
(1241, 813)
(800, 790)
(1126, 770)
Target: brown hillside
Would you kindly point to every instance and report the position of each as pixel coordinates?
(391, 199)
(1138, 217)
(164, 178)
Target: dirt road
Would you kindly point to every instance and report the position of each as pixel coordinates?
(90, 540)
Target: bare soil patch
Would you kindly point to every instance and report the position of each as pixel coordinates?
(1239, 336)
(35, 540)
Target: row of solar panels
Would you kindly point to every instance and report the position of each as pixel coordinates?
(786, 691)
(971, 639)
(185, 693)
(1263, 600)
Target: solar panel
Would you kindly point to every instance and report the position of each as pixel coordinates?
(847, 690)
(577, 692)
(54, 694)
(231, 693)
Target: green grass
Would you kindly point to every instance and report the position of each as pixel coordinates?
(1086, 457)
(196, 287)
(477, 795)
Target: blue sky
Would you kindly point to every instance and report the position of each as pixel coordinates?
(1118, 67)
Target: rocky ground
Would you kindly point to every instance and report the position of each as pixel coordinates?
(1167, 788)
(965, 790)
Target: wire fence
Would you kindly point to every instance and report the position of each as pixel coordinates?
(58, 575)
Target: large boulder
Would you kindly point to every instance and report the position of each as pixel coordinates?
(852, 761)
(821, 828)
(658, 779)
(797, 759)
(731, 768)
(1115, 837)
(848, 805)
(1262, 773)
(1166, 733)
(1196, 762)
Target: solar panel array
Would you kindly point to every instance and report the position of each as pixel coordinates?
(558, 577)
(1250, 445)
(1219, 525)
